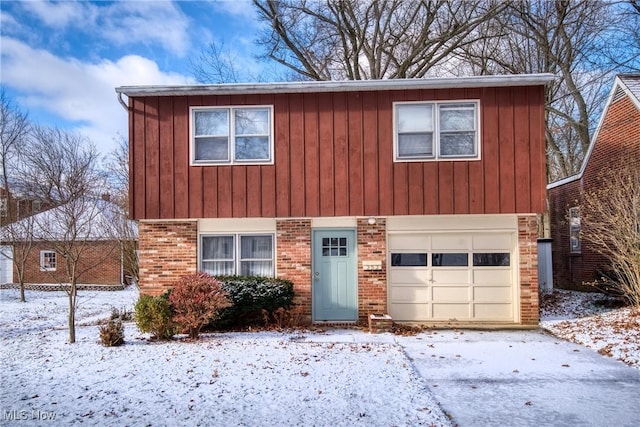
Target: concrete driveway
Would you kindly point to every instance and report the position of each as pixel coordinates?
(523, 378)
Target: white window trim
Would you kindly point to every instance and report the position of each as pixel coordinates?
(4, 206)
(231, 161)
(236, 249)
(42, 258)
(575, 227)
(436, 132)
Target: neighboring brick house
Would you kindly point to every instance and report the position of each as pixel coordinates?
(13, 207)
(419, 198)
(101, 262)
(616, 141)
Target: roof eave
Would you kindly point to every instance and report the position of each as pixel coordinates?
(338, 86)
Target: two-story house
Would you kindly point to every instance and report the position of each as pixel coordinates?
(419, 198)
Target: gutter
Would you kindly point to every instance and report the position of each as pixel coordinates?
(339, 86)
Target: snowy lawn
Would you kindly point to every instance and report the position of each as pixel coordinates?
(264, 378)
(261, 378)
(588, 319)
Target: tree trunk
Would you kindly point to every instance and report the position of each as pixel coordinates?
(72, 313)
(22, 298)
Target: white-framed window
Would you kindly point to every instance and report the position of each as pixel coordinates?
(575, 245)
(436, 130)
(4, 206)
(229, 135)
(243, 254)
(48, 261)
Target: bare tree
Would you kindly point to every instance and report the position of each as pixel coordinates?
(14, 129)
(624, 49)
(565, 38)
(216, 64)
(117, 167)
(19, 234)
(357, 40)
(611, 222)
(61, 168)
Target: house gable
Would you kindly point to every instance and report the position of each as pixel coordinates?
(616, 141)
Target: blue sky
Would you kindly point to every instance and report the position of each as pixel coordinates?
(61, 61)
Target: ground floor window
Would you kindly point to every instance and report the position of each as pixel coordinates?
(574, 230)
(48, 261)
(243, 254)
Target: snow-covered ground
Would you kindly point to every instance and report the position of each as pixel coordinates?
(260, 378)
(265, 378)
(588, 319)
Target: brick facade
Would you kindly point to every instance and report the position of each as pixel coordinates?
(100, 264)
(168, 251)
(293, 251)
(372, 284)
(528, 253)
(617, 142)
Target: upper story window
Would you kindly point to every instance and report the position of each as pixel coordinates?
(436, 130)
(228, 135)
(4, 207)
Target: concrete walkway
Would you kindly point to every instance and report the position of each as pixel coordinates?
(523, 378)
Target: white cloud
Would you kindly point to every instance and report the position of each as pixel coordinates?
(61, 14)
(147, 23)
(8, 22)
(240, 8)
(123, 23)
(78, 92)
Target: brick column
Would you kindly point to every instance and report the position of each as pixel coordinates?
(372, 284)
(528, 251)
(293, 241)
(168, 251)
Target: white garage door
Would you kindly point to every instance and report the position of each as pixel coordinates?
(452, 276)
(6, 265)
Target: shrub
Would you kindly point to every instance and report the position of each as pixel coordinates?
(252, 295)
(196, 300)
(124, 314)
(112, 334)
(609, 219)
(154, 315)
(282, 318)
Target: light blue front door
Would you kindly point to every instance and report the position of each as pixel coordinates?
(335, 292)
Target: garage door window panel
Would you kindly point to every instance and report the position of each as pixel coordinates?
(497, 259)
(408, 259)
(450, 260)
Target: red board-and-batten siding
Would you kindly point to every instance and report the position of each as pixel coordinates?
(334, 157)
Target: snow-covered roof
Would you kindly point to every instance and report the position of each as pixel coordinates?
(89, 219)
(624, 85)
(338, 86)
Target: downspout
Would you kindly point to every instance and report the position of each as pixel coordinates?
(122, 278)
(121, 101)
